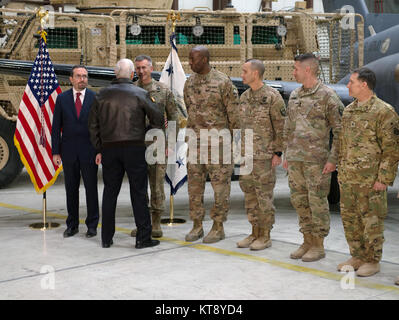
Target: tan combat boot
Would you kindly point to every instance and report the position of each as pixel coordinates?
(316, 251)
(263, 240)
(156, 225)
(244, 243)
(368, 269)
(307, 243)
(353, 262)
(216, 234)
(196, 232)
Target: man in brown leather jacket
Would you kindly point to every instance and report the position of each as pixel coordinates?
(117, 131)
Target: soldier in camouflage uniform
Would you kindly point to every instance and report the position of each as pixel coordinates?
(262, 110)
(212, 103)
(164, 98)
(312, 111)
(368, 159)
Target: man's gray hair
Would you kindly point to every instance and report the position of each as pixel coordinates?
(124, 68)
(143, 57)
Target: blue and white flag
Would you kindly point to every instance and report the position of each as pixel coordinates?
(174, 77)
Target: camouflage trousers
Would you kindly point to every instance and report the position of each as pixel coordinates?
(258, 191)
(156, 177)
(363, 211)
(309, 190)
(220, 176)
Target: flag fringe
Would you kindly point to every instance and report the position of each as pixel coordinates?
(31, 175)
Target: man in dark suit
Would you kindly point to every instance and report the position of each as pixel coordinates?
(71, 145)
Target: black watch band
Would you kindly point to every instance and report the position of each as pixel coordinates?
(279, 154)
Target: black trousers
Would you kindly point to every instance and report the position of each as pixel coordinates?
(116, 161)
(73, 171)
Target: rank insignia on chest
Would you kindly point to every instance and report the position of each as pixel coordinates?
(264, 100)
(158, 89)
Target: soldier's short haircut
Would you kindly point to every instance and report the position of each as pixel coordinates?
(257, 65)
(204, 52)
(124, 68)
(143, 57)
(366, 75)
(311, 59)
(78, 66)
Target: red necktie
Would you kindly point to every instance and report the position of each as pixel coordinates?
(78, 103)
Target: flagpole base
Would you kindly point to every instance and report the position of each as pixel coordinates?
(44, 226)
(172, 222)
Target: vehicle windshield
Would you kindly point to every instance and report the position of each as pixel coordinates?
(383, 6)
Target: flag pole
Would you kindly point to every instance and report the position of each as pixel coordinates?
(172, 221)
(43, 16)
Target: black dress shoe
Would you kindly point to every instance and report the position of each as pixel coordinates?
(147, 244)
(107, 244)
(69, 232)
(91, 233)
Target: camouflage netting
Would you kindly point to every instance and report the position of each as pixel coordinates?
(232, 38)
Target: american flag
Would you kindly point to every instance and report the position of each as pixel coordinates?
(33, 131)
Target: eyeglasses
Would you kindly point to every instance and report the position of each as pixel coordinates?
(79, 76)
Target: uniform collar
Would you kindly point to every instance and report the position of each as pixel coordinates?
(204, 77)
(254, 92)
(145, 86)
(367, 106)
(305, 92)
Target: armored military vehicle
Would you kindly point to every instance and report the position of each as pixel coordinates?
(97, 33)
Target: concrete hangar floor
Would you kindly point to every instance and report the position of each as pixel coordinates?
(43, 265)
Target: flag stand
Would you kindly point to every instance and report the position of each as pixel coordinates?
(172, 221)
(44, 225)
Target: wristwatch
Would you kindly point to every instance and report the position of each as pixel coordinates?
(279, 154)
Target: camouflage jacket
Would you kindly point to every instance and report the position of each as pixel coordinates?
(369, 143)
(212, 102)
(263, 111)
(311, 113)
(163, 98)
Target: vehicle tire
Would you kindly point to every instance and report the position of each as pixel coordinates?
(334, 196)
(10, 163)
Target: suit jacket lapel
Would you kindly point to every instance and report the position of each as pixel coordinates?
(71, 103)
(86, 103)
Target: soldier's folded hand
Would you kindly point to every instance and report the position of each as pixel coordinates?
(329, 167)
(378, 186)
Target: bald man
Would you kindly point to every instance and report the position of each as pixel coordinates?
(212, 103)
